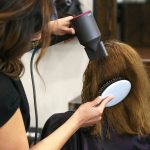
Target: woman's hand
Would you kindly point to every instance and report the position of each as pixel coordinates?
(91, 112)
(61, 26)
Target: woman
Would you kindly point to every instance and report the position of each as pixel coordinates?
(125, 126)
(22, 21)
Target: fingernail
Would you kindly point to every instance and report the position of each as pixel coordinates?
(110, 97)
(73, 31)
(98, 99)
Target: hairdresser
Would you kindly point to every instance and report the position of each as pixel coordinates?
(22, 21)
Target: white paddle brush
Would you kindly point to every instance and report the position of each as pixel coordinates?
(118, 88)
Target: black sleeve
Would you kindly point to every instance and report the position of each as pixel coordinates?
(9, 99)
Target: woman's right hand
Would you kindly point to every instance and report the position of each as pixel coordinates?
(61, 26)
(91, 112)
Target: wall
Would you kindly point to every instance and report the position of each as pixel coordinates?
(61, 68)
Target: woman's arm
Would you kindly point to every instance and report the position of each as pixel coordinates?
(87, 114)
(13, 136)
(57, 27)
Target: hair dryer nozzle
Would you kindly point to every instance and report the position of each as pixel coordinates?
(99, 52)
(89, 35)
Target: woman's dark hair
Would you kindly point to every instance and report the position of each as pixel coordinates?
(19, 21)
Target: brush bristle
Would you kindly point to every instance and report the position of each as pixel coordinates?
(108, 83)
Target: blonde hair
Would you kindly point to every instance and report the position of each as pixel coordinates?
(132, 115)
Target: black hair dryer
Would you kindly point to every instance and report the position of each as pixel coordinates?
(89, 35)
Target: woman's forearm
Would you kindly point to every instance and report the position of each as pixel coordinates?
(86, 114)
(59, 137)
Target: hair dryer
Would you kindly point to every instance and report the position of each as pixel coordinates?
(89, 35)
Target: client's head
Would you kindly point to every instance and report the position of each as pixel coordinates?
(132, 115)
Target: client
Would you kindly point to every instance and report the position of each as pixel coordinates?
(125, 126)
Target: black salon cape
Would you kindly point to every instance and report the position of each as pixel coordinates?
(81, 140)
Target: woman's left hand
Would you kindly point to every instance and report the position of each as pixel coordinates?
(61, 26)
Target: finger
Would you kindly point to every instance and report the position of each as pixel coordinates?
(69, 30)
(72, 31)
(104, 102)
(69, 18)
(96, 119)
(66, 23)
(93, 122)
(96, 101)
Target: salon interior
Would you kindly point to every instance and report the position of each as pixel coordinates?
(64, 63)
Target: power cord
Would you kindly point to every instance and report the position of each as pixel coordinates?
(34, 93)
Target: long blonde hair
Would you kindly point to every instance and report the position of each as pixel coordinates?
(132, 115)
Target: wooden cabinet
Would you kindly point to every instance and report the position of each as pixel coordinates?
(145, 54)
(105, 13)
(135, 25)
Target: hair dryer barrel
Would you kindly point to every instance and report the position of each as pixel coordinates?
(86, 27)
(89, 35)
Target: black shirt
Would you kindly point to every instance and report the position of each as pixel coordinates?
(12, 96)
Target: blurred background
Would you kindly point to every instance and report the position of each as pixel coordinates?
(64, 63)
